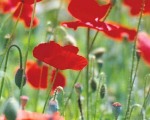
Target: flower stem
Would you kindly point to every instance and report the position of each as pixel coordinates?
(87, 71)
(58, 11)
(5, 66)
(131, 81)
(97, 94)
(11, 36)
(66, 103)
(29, 35)
(80, 108)
(49, 91)
(95, 36)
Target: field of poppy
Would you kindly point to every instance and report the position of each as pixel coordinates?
(74, 60)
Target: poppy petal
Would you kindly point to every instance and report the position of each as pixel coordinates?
(37, 75)
(87, 10)
(100, 26)
(71, 49)
(143, 45)
(121, 32)
(26, 15)
(60, 80)
(112, 30)
(29, 1)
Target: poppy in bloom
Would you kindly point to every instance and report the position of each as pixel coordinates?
(24, 8)
(37, 76)
(60, 57)
(135, 6)
(92, 20)
(26, 115)
(143, 45)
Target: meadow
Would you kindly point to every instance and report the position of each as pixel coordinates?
(74, 60)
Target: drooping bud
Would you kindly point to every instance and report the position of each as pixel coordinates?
(24, 100)
(93, 85)
(53, 106)
(69, 40)
(11, 108)
(20, 80)
(102, 91)
(116, 109)
(98, 52)
(78, 88)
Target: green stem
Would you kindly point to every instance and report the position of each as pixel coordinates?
(66, 103)
(29, 35)
(131, 81)
(87, 71)
(80, 107)
(11, 36)
(95, 36)
(146, 99)
(5, 66)
(36, 100)
(49, 91)
(57, 14)
(95, 110)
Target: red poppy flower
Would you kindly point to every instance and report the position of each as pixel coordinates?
(143, 45)
(59, 57)
(37, 76)
(14, 6)
(135, 6)
(91, 20)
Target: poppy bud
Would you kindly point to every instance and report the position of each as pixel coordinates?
(53, 106)
(59, 89)
(24, 100)
(138, 54)
(103, 91)
(78, 88)
(93, 85)
(98, 52)
(10, 109)
(19, 78)
(116, 109)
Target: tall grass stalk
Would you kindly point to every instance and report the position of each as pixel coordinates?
(131, 79)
